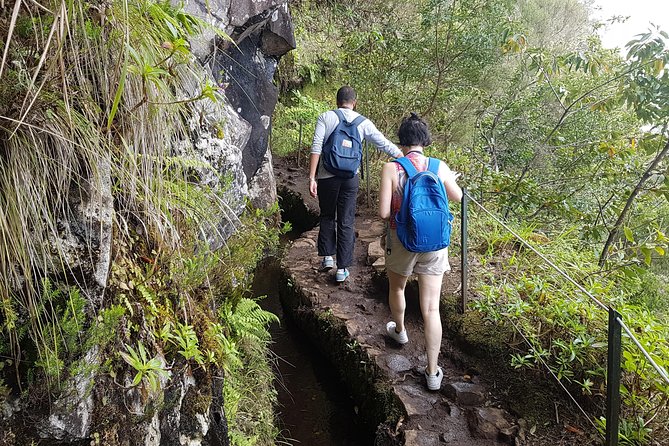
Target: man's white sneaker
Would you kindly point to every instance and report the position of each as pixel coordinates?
(434, 381)
(342, 274)
(327, 263)
(401, 337)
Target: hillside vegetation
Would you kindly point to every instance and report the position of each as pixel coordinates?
(100, 103)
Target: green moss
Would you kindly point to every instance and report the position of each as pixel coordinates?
(194, 403)
(200, 403)
(475, 334)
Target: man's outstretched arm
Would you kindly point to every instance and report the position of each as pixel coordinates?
(373, 135)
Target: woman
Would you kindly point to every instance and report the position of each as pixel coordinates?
(430, 267)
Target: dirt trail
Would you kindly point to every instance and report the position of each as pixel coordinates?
(463, 412)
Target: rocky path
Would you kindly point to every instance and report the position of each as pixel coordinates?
(388, 380)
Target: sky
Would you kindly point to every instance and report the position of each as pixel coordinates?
(641, 13)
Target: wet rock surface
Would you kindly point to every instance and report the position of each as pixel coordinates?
(492, 423)
(416, 415)
(262, 32)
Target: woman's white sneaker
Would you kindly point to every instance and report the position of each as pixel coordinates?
(401, 337)
(434, 381)
(341, 274)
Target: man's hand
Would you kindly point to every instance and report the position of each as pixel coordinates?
(313, 187)
(313, 172)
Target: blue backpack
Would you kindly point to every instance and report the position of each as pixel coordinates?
(342, 152)
(423, 221)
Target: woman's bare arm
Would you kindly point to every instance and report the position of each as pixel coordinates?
(388, 178)
(448, 177)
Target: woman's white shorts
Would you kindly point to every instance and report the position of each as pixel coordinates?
(405, 263)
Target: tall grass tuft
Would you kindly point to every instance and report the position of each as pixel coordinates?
(91, 109)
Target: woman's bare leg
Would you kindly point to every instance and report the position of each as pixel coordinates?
(396, 299)
(430, 290)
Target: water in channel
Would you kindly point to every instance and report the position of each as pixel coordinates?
(315, 408)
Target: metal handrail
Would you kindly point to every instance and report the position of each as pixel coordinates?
(656, 366)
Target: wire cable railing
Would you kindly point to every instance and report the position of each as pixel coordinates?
(543, 257)
(527, 341)
(615, 327)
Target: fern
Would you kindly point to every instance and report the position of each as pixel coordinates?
(247, 320)
(150, 296)
(71, 323)
(248, 387)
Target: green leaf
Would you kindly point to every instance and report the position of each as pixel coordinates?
(628, 235)
(119, 93)
(658, 67)
(137, 379)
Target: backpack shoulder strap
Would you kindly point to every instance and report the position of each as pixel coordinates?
(340, 115)
(433, 166)
(357, 121)
(408, 166)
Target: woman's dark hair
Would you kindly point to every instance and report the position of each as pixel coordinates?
(414, 132)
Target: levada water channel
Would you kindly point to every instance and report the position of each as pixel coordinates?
(314, 406)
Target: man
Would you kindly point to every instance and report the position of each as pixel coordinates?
(337, 196)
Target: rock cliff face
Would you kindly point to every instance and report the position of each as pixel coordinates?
(232, 138)
(261, 31)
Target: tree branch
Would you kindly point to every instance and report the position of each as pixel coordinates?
(613, 233)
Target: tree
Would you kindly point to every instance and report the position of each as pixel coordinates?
(556, 25)
(646, 89)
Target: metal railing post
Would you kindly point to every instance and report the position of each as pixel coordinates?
(464, 268)
(613, 379)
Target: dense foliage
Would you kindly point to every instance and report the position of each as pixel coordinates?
(562, 139)
(95, 102)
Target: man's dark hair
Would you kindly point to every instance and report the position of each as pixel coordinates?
(413, 131)
(346, 95)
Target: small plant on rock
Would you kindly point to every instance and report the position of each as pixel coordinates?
(152, 370)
